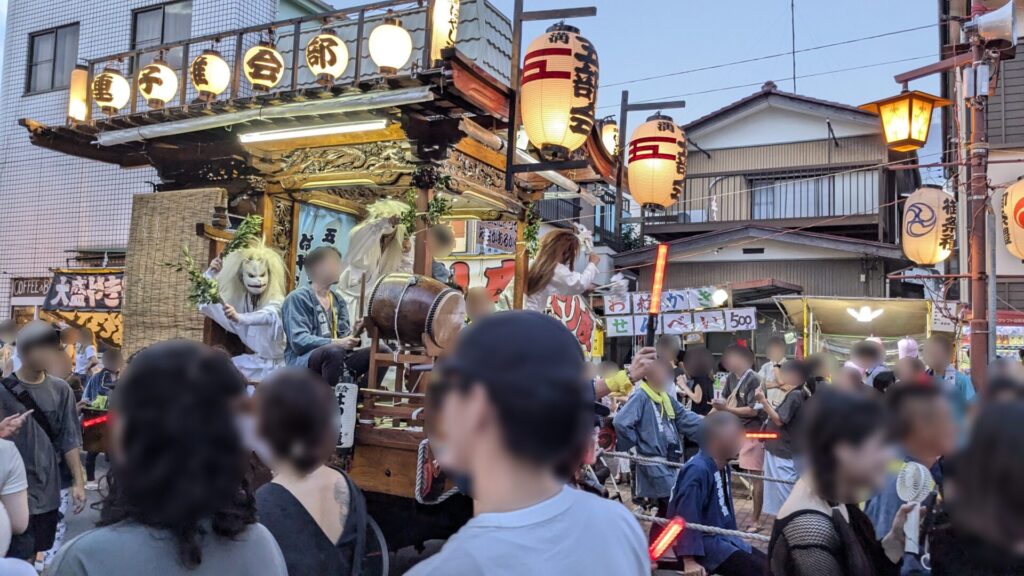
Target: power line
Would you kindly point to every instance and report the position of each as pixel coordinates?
(761, 83)
(768, 56)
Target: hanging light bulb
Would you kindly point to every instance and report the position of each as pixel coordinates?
(327, 58)
(657, 162)
(210, 75)
(158, 83)
(558, 90)
(390, 45)
(110, 91)
(264, 66)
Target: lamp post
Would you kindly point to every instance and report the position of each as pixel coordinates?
(511, 168)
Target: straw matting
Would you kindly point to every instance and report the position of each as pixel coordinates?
(155, 307)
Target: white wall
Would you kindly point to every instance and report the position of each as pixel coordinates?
(771, 124)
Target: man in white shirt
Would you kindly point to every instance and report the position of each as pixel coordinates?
(770, 372)
(514, 408)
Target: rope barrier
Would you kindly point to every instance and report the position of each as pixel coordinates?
(421, 459)
(706, 529)
(671, 464)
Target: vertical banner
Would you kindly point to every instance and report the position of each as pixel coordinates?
(319, 226)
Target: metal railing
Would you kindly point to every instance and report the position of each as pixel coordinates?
(289, 36)
(781, 195)
(560, 211)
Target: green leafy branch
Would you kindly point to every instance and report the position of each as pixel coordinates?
(438, 208)
(201, 290)
(531, 235)
(250, 228)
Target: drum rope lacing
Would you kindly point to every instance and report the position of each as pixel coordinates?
(421, 461)
(398, 306)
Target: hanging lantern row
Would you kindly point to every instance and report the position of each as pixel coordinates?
(929, 225)
(327, 57)
(657, 162)
(558, 90)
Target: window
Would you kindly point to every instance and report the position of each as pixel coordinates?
(159, 25)
(51, 58)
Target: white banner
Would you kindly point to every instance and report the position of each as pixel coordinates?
(719, 320)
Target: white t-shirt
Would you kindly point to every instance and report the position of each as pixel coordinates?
(571, 533)
(12, 469)
(82, 356)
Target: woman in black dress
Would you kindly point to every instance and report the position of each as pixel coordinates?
(316, 514)
(697, 385)
(980, 532)
(820, 529)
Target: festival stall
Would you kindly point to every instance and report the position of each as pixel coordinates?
(834, 325)
(315, 126)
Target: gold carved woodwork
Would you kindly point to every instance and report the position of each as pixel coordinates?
(385, 163)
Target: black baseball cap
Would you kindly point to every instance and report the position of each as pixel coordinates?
(533, 370)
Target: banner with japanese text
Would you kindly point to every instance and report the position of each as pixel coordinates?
(715, 320)
(319, 226)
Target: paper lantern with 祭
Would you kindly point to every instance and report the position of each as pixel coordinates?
(327, 58)
(1013, 219)
(210, 74)
(657, 162)
(390, 45)
(558, 91)
(263, 66)
(158, 83)
(110, 91)
(929, 225)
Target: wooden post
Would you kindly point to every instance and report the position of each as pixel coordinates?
(425, 180)
(522, 261)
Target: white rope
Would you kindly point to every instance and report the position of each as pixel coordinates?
(671, 464)
(421, 459)
(707, 529)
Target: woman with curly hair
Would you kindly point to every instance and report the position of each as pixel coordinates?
(178, 502)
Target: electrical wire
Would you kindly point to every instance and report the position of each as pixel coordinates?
(768, 56)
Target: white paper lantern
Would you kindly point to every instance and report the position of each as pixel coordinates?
(610, 137)
(210, 74)
(327, 58)
(929, 225)
(1013, 219)
(390, 46)
(444, 27)
(657, 162)
(158, 83)
(263, 66)
(558, 90)
(110, 91)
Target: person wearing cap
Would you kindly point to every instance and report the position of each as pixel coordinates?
(783, 421)
(52, 432)
(514, 406)
(651, 421)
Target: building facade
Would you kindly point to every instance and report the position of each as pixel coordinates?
(59, 210)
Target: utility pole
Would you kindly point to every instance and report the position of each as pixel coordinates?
(792, 38)
(977, 191)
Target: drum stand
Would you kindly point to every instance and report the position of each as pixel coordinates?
(411, 362)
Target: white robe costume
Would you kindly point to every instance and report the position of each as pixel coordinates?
(261, 331)
(365, 258)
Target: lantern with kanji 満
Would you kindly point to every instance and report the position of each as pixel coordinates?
(263, 66)
(558, 91)
(110, 91)
(210, 74)
(158, 83)
(1013, 219)
(657, 162)
(929, 225)
(327, 58)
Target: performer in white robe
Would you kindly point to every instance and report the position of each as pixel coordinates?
(376, 247)
(552, 272)
(252, 283)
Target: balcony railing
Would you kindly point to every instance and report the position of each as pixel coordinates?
(776, 196)
(353, 25)
(559, 211)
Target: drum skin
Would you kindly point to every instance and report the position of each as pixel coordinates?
(417, 306)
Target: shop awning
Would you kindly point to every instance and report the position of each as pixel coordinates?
(899, 317)
(89, 297)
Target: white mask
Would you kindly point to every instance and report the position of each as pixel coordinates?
(255, 276)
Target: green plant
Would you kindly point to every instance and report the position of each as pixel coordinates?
(438, 208)
(201, 290)
(250, 228)
(531, 235)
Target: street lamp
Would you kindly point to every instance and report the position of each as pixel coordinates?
(906, 118)
(390, 45)
(657, 162)
(559, 90)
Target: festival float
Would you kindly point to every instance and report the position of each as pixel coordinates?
(309, 127)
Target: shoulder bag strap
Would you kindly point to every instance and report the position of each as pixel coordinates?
(13, 385)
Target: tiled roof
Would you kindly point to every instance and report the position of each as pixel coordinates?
(485, 37)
